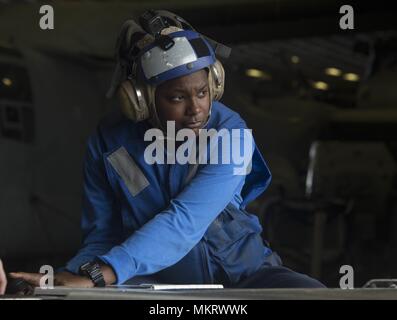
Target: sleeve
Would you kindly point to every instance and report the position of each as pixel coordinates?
(101, 221)
(172, 233)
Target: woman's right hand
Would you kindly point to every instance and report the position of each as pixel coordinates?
(3, 279)
(61, 279)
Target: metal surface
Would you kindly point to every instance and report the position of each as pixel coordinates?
(218, 294)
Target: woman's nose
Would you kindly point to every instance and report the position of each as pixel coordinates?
(193, 107)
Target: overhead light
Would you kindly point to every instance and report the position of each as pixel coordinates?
(7, 82)
(351, 76)
(335, 72)
(295, 59)
(256, 73)
(320, 85)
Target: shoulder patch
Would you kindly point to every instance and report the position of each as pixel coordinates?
(128, 170)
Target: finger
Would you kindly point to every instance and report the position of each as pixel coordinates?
(32, 278)
(3, 286)
(2, 274)
(3, 279)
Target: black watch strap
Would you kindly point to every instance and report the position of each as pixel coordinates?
(93, 271)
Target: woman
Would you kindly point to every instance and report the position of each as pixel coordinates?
(175, 221)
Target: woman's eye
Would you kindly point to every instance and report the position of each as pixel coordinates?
(177, 98)
(202, 93)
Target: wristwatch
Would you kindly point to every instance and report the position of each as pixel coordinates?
(93, 271)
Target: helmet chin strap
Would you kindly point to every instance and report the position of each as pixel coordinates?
(211, 97)
(209, 113)
(154, 119)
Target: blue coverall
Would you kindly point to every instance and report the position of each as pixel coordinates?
(144, 219)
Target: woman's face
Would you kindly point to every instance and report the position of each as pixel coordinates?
(185, 100)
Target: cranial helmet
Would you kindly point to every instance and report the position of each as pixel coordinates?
(163, 46)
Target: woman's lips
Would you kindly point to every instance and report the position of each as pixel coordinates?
(194, 125)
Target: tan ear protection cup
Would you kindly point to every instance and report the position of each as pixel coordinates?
(216, 79)
(132, 96)
(133, 101)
